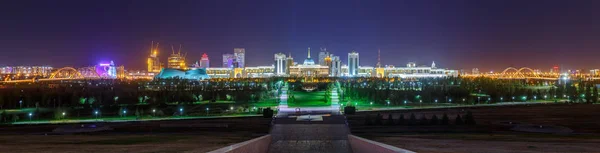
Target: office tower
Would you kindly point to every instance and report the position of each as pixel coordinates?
(289, 62)
(154, 64)
(336, 66)
(239, 54)
(204, 61)
(322, 55)
(353, 63)
(280, 64)
(228, 60)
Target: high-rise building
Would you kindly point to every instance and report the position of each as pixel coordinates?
(154, 64)
(176, 60)
(353, 63)
(289, 62)
(204, 62)
(322, 55)
(280, 64)
(336, 66)
(239, 54)
(228, 60)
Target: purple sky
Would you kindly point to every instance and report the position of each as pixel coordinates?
(457, 34)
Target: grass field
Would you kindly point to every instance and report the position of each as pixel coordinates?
(308, 99)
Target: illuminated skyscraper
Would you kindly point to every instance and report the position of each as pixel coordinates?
(154, 64)
(176, 61)
(353, 62)
(336, 66)
(289, 62)
(322, 55)
(239, 54)
(204, 62)
(280, 64)
(228, 60)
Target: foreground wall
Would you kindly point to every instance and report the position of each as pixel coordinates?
(362, 145)
(257, 145)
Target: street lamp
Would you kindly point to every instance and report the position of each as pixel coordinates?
(181, 111)
(207, 111)
(154, 112)
(124, 113)
(96, 113)
(30, 114)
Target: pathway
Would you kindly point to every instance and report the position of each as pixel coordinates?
(293, 135)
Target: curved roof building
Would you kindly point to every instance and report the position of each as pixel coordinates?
(195, 74)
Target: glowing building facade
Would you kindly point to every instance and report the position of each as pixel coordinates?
(192, 74)
(154, 64)
(176, 61)
(353, 63)
(204, 62)
(280, 64)
(106, 70)
(240, 55)
(309, 69)
(228, 60)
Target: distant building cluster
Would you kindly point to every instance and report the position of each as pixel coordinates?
(325, 65)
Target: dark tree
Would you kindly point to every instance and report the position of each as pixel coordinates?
(401, 120)
(423, 120)
(412, 120)
(458, 120)
(368, 120)
(434, 120)
(445, 120)
(390, 120)
(469, 120)
(378, 119)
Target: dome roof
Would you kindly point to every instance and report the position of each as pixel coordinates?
(309, 61)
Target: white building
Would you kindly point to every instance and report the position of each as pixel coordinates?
(280, 64)
(353, 63)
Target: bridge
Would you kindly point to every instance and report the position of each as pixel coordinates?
(519, 73)
(65, 73)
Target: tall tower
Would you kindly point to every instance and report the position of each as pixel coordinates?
(322, 55)
(336, 66)
(378, 65)
(153, 62)
(239, 54)
(289, 62)
(433, 65)
(280, 64)
(204, 61)
(353, 63)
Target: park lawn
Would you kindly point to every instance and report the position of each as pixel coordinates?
(309, 99)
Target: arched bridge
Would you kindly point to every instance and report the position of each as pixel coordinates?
(65, 73)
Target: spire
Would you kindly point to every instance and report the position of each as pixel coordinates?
(308, 52)
(378, 58)
(433, 64)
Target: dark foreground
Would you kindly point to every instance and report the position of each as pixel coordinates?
(159, 136)
(491, 134)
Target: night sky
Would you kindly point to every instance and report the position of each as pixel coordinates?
(488, 34)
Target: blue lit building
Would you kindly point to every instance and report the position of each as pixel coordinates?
(192, 74)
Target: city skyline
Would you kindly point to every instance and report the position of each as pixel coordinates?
(536, 34)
